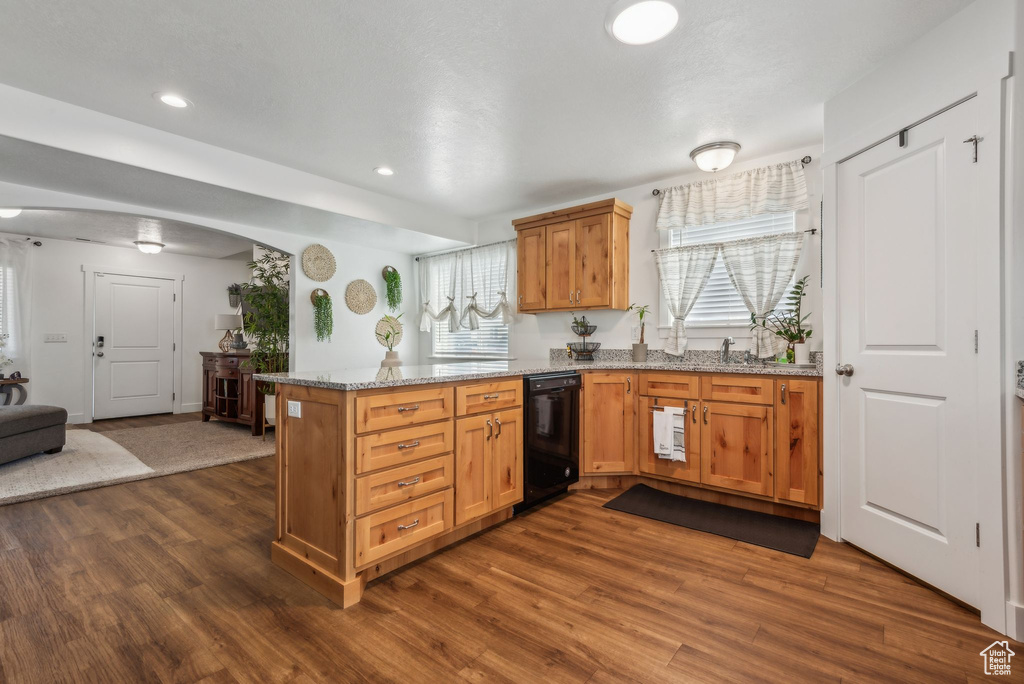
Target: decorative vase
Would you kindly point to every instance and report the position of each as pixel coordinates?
(801, 353)
(639, 353)
(239, 342)
(390, 360)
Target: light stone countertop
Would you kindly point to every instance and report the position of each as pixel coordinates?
(376, 378)
(1020, 392)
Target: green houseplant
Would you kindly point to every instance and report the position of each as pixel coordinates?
(234, 295)
(266, 319)
(389, 334)
(640, 348)
(323, 315)
(788, 323)
(393, 292)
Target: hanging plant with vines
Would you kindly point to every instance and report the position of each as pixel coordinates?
(394, 287)
(323, 315)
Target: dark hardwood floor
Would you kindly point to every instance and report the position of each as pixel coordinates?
(169, 579)
(138, 421)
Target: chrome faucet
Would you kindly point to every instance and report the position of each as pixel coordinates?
(724, 358)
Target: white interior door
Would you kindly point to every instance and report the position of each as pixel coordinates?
(907, 285)
(133, 370)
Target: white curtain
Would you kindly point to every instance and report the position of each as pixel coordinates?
(684, 271)
(767, 190)
(14, 302)
(761, 269)
(479, 280)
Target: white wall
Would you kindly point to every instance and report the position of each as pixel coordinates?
(57, 376)
(534, 334)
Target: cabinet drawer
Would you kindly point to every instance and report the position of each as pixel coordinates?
(738, 389)
(398, 409)
(227, 362)
(674, 385)
(398, 447)
(387, 532)
(395, 485)
(488, 396)
(226, 373)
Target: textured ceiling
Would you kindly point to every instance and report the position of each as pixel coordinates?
(121, 230)
(479, 107)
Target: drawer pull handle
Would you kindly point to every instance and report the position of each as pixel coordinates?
(705, 415)
(693, 413)
(490, 396)
(410, 483)
(410, 526)
(490, 429)
(403, 409)
(410, 445)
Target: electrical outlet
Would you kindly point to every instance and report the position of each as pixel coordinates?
(294, 409)
(635, 334)
(55, 337)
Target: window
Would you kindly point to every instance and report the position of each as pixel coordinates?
(4, 288)
(490, 341)
(720, 305)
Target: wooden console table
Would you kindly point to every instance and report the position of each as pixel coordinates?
(7, 387)
(229, 392)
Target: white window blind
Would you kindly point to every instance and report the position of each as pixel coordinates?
(720, 304)
(3, 289)
(489, 341)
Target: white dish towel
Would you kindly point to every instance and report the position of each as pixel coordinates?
(669, 433)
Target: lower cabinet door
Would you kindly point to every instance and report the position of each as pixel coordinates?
(609, 439)
(737, 447)
(652, 463)
(246, 393)
(797, 456)
(210, 390)
(387, 532)
(507, 466)
(473, 444)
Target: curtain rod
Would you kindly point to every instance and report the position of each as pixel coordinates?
(462, 249)
(805, 161)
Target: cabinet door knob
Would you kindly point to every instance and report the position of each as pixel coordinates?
(629, 385)
(403, 409)
(577, 296)
(410, 483)
(411, 445)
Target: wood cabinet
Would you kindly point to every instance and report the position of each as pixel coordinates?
(488, 463)
(609, 411)
(575, 258)
(797, 444)
(229, 392)
(737, 447)
(652, 463)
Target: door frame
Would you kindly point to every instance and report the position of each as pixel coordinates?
(986, 84)
(89, 272)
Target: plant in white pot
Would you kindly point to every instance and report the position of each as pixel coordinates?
(788, 324)
(266, 321)
(389, 334)
(640, 348)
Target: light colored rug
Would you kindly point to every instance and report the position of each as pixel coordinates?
(89, 460)
(92, 459)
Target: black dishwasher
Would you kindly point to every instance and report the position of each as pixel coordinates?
(551, 459)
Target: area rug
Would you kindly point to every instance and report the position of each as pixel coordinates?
(797, 537)
(88, 460)
(92, 459)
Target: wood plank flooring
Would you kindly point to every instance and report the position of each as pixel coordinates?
(169, 580)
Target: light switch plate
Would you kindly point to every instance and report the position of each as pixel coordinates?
(294, 409)
(55, 337)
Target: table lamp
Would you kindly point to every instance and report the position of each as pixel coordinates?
(227, 323)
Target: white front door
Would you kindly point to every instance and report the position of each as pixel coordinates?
(133, 357)
(907, 287)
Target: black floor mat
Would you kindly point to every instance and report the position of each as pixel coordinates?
(797, 537)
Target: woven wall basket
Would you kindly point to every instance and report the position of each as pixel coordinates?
(318, 263)
(384, 326)
(360, 296)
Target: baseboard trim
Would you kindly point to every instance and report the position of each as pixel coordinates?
(1014, 620)
(192, 407)
(78, 418)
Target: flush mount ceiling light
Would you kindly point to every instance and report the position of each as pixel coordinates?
(714, 156)
(173, 100)
(638, 23)
(149, 247)
(9, 213)
(384, 171)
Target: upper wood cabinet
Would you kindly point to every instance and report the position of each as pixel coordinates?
(575, 258)
(797, 452)
(609, 416)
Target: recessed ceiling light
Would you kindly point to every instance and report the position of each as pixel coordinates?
(9, 213)
(173, 100)
(639, 23)
(384, 171)
(149, 247)
(714, 156)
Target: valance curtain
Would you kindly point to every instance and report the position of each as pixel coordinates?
(477, 280)
(683, 271)
(14, 301)
(761, 269)
(766, 190)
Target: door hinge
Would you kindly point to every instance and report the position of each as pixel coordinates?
(977, 534)
(975, 341)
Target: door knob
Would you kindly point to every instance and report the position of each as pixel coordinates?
(99, 353)
(844, 369)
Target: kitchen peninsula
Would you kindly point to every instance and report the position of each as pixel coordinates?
(379, 467)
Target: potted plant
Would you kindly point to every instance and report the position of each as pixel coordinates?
(789, 324)
(266, 321)
(393, 293)
(389, 334)
(235, 295)
(323, 314)
(640, 349)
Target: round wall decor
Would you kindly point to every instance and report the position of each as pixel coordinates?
(318, 263)
(360, 296)
(386, 325)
